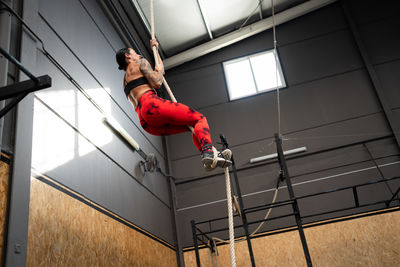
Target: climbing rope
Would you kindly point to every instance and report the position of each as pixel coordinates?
(155, 53)
(214, 163)
(279, 125)
(171, 95)
(258, 227)
(230, 218)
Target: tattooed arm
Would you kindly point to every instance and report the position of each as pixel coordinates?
(154, 77)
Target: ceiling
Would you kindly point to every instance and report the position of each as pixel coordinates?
(183, 24)
(186, 29)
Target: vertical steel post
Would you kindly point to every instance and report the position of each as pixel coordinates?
(172, 199)
(282, 163)
(244, 218)
(5, 36)
(196, 247)
(355, 195)
(17, 231)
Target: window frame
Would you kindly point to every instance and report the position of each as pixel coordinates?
(247, 58)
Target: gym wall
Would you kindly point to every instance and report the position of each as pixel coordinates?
(67, 229)
(329, 106)
(88, 195)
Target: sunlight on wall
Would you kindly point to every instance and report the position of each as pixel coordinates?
(54, 141)
(90, 120)
(51, 146)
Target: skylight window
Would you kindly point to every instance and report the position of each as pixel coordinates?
(253, 74)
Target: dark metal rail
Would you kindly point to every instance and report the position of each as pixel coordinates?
(293, 201)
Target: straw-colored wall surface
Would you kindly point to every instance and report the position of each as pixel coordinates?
(367, 241)
(4, 171)
(66, 232)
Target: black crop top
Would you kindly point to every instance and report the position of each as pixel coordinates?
(135, 83)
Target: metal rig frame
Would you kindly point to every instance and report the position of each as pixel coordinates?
(284, 175)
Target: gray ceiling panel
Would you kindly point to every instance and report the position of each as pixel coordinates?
(227, 14)
(183, 24)
(178, 23)
(280, 5)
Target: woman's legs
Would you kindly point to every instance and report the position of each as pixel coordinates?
(159, 116)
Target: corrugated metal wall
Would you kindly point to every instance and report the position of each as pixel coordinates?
(70, 143)
(329, 105)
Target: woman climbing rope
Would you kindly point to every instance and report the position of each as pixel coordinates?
(159, 116)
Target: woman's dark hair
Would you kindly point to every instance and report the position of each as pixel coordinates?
(120, 57)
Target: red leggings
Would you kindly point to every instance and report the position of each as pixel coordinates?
(159, 116)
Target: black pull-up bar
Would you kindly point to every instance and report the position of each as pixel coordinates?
(21, 89)
(25, 87)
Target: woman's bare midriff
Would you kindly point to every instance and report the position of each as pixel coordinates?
(137, 92)
(133, 72)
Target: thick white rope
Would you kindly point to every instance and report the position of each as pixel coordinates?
(171, 95)
(155, 53)
(213, 165)
(279, 127)
(152, 19)
(230, 217)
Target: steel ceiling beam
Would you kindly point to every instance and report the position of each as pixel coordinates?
(244, 33)
(141, 14)
(260, 9)
(205, 18)
(376, 83)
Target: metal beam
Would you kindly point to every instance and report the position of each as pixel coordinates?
(394, 122)
(141, 15)
(244, 33)
(195, 243)
(5, 37)
(205, 18)
(28, 86)
(296, 210)
(19, 189)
